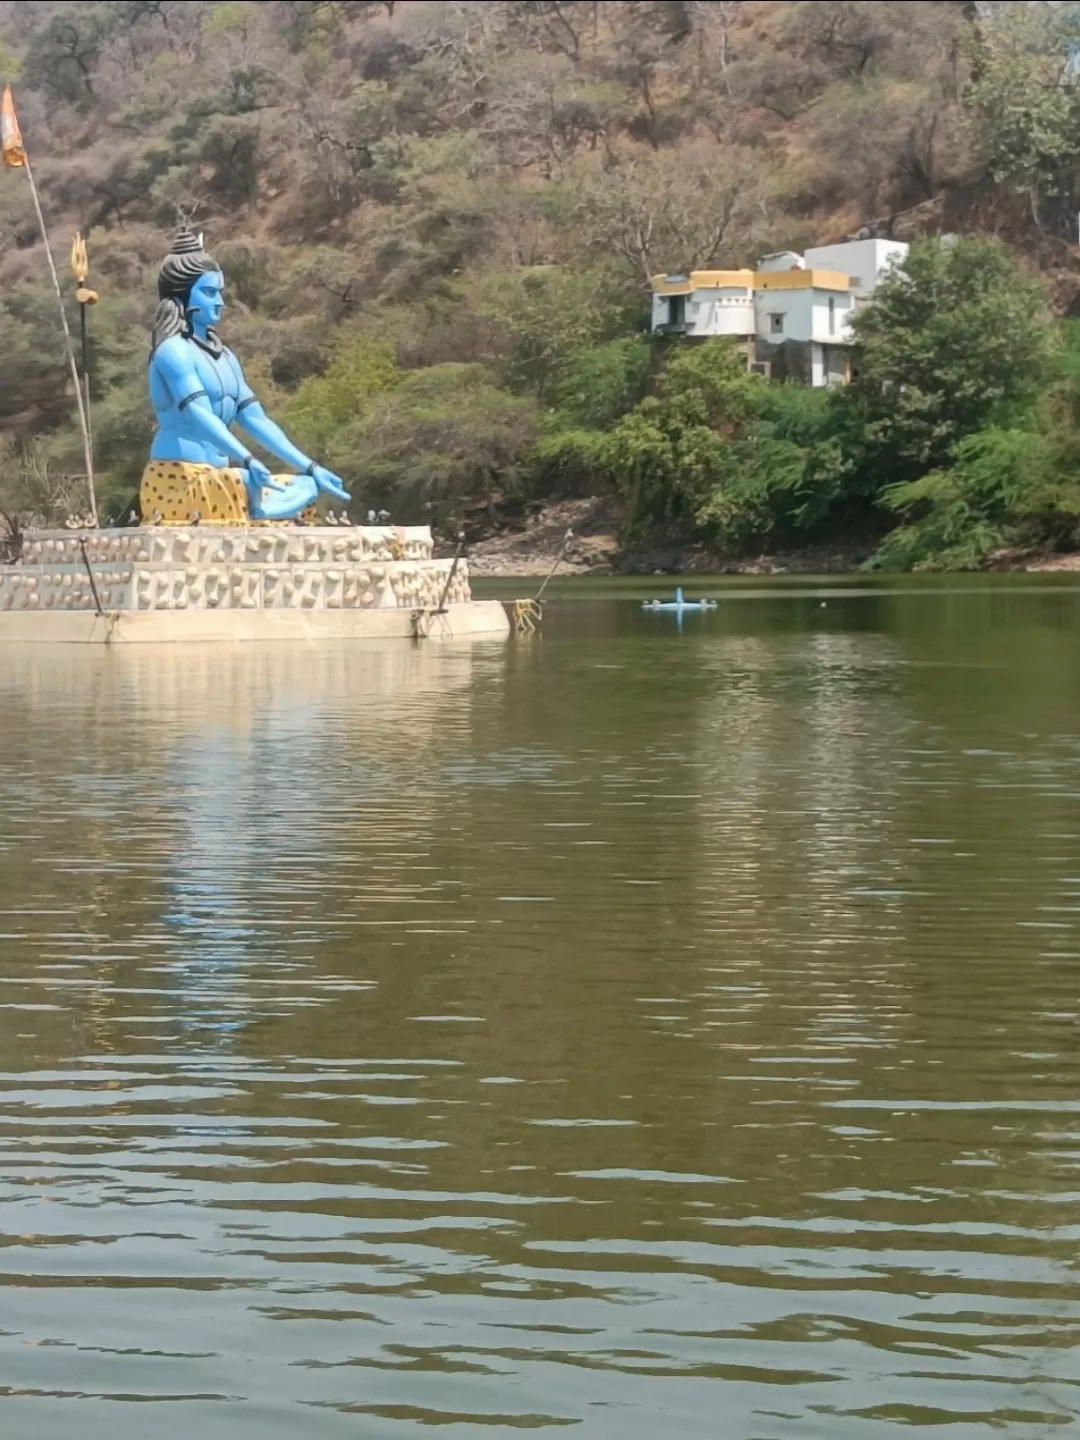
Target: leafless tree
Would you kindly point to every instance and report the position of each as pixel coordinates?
(34, 490)
(658, 217)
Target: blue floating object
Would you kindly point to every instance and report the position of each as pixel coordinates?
(680, 605)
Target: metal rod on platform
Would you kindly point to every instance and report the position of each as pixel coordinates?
(86, 378)
(80, 268)
(90, 572)
(453, 571)
(558, 561)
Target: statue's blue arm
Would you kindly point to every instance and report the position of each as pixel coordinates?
(253, 419)
(173, 362)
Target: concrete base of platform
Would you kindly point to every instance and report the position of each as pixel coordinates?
(484, 619)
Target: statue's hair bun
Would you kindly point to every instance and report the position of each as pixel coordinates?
(186, 243)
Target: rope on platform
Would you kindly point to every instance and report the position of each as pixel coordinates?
(423, 622)
(527, 616)
(529, 613)
(112, 619)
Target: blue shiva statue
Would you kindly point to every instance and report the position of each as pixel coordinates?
(199, 471)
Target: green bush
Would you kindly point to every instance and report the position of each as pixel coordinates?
(783, 477)
(1002, 487)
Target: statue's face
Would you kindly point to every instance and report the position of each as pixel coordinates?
(207, 298)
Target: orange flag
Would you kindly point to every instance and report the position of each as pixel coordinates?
(11, 141)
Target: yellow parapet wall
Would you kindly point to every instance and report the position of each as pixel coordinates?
(750, 280)
(702, 280)
(801, 280)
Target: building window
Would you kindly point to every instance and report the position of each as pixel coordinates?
(677, 310)
(832, 315)
(776, 324)
(855, 282)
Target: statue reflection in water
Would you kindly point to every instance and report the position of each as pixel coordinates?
(260, 871)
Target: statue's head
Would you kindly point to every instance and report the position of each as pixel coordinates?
(206, 299)
(190, 289)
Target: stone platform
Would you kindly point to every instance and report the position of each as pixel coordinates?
(155, 584)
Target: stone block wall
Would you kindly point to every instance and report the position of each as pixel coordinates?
(261, 545)
(358, 568)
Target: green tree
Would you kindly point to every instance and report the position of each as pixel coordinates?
(956, 340)
(325, 405)
(1003, 487)
(599, 385)
(672, 451)
(441, 438)
(543, 317)
(783, 478)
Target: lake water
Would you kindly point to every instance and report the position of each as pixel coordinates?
(629, 1031)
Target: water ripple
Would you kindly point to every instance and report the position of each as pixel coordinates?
(616, 1031)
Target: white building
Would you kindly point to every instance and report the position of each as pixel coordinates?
(707, 302)
(782, 260)
(804, 320)
(792, 314)
(864, 262)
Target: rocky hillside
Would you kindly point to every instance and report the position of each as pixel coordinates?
(429, 213)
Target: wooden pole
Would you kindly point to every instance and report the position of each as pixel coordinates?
(72, 363)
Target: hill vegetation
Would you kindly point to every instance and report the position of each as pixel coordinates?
(437, 222)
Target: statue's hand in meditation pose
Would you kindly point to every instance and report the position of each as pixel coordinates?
(198, 468)
(330, 484)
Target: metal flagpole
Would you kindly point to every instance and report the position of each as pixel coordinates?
(80, 268)
(69, 346)
(13, 153)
